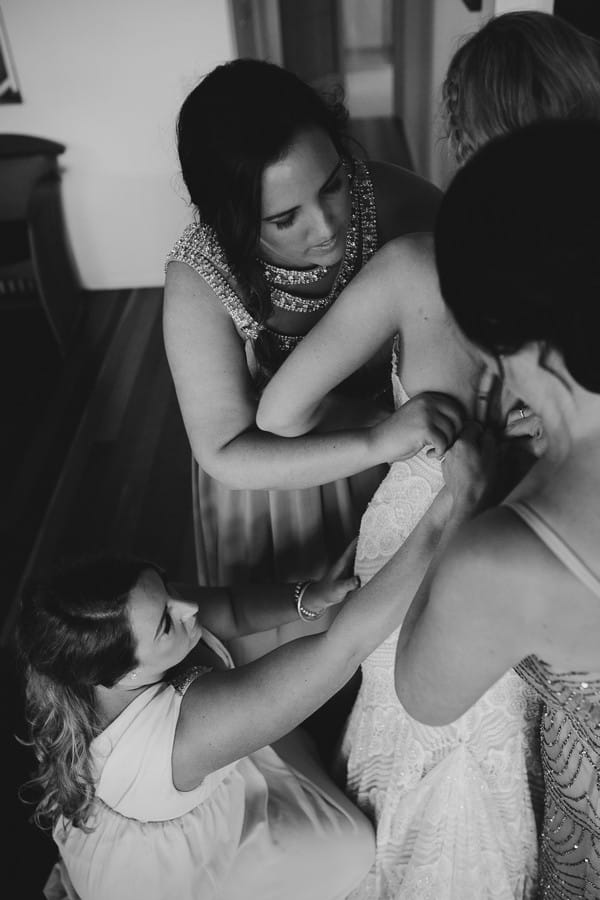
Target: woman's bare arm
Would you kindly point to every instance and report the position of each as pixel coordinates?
(226, 715)
(240, 609)
(397, 284)
(218, 403)
(496, 597)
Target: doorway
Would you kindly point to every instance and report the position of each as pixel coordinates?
(336, 44)
(367, 48)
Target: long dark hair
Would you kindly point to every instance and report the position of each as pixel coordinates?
(240, 118)
(516, 244)
(73, 633)
(519, 68)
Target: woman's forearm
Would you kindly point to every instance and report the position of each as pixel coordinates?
(273, 694)
(256, 460)
(233, 611)
(260, 607)
(335, 412)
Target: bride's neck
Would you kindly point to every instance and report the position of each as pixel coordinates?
(572, 420)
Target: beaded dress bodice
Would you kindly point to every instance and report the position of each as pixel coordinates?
(570, 744)
(200, 248)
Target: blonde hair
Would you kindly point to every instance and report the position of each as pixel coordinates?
(73, 633)
(63, 723)
(520, 68)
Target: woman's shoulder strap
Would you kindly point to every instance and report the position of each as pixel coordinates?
(198, 242)
(182, 680)
(363, 196)
(556, 544)
(199, 248)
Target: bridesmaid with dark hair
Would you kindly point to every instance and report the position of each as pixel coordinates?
(286, 218)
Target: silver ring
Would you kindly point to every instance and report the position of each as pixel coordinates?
(522, 412)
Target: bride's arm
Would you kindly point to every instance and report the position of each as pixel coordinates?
(363, 318)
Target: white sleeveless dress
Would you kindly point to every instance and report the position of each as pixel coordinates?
(268, 826)
(452, 805)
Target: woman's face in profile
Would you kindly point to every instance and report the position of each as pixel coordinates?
(305, 204)
(164, 626)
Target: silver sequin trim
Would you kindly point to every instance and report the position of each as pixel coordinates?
(182, 680)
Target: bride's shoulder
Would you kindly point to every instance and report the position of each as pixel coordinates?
(495, 552)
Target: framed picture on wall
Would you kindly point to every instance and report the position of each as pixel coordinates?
(9, 88)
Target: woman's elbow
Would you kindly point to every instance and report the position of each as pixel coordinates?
(275, 422)
(221, 466)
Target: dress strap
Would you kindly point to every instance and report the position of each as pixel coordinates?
(218, 647)
(199, 248)
(398, 392)
(364, 196)
(182, 680)
(556, 544)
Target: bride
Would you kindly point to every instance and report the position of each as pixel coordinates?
(452, 805)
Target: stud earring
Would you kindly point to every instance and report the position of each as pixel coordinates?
(134, 675)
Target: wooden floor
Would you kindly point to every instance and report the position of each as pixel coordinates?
(94, 458)
(113, 440)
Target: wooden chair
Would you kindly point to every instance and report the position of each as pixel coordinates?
(36, 265)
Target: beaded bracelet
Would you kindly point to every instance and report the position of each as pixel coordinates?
(307, 615)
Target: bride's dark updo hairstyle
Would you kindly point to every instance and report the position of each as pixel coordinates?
(240, 118)
(517, 244)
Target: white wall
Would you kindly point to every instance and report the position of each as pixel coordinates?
(106, 78)
(503, 6)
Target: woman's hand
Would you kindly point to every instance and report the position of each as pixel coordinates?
(430, 420)
(524, 425)
(524, 441)
(335, 587)
(470, 467)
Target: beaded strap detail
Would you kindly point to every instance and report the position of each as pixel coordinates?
(182, 680)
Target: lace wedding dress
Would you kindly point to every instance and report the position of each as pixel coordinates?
(451, 805)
